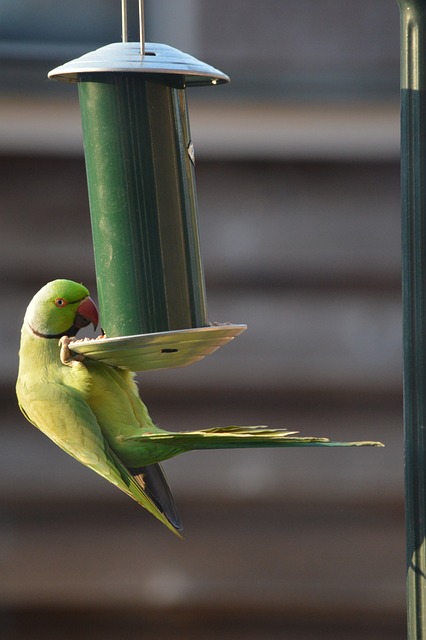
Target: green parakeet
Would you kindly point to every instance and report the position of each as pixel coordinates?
(93, 410)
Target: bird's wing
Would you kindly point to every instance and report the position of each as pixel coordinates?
(156, 486)
(66, 418)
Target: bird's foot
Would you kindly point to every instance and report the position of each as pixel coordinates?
(66, 356)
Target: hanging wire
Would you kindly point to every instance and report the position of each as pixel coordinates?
(124, 29)
(141, 28)
(124, 20)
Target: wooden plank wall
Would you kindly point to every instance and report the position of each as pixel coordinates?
(279, 544)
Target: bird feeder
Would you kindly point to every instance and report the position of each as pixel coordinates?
(143, 204)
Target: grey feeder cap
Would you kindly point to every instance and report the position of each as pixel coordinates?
(125, 57)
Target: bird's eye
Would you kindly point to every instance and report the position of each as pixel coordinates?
(60, 302)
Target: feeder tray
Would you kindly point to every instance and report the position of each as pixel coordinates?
(160, 350)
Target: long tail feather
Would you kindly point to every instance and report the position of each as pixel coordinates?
(239, 437)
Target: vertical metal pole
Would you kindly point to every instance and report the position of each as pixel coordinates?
(413, 187)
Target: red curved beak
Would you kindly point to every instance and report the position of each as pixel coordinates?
(86, 313)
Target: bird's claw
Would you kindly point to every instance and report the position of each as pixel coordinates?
(65, 354)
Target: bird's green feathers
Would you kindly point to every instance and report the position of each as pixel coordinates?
(93, 411)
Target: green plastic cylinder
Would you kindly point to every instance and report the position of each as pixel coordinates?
(143, 203)
(413, 189)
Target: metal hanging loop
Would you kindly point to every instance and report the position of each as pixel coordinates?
(124, 27)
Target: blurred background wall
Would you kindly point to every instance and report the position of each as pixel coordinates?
(298, 185)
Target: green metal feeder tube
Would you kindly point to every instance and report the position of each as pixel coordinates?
(413, 187)
(143, 203)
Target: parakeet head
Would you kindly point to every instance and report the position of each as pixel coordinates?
(61, 307)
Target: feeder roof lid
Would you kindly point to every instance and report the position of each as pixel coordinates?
(125, 57)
